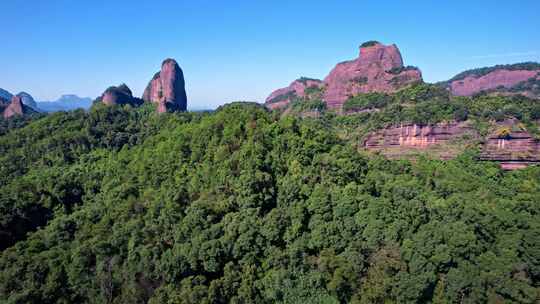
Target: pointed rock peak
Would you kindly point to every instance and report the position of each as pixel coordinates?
(167, 88)
(16, 107)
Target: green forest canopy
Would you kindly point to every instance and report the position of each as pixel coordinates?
(120, 205)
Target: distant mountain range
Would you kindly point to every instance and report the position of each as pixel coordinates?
(66, 102)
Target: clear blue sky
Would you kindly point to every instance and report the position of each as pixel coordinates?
(242, 50)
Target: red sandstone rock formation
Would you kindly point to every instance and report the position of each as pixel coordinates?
(498, 78)
(119, 95)
(15, 107)
(378, 69)
(282, 97)
(514, 150)
(167, 88)
(396, 140)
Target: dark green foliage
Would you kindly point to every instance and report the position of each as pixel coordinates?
(398, 70)
(367, 101)
(287, 96)
(369, 43)
(241, 206)
(304, 80)
(308, 105)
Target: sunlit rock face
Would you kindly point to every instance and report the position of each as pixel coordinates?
(280, 98)
(15, 107)
(167, 88)
(502, 78)
(119, 95)
(398, 141)
(512, 148)
(379, 68)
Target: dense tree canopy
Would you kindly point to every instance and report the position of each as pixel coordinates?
(243, 205)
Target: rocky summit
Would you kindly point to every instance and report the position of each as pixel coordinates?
(167, 88)
(16, 107)
(379, 68)
(119, 95)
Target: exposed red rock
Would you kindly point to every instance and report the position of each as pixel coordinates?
(406, 138)
(282, 97)
(515, 150)
(379, 68)
(15, 107)
(119, 95)
(473, 84)
(167, 88)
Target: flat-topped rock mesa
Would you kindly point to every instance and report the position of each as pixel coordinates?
(119, 95)
(521, 78)
(511, 147)
(297, 89)
(167, 88)
(379, 68)
(16, 107)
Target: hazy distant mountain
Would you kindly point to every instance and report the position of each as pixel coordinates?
(65, 103)
(5, 94)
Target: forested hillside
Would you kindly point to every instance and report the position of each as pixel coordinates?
(244, 205)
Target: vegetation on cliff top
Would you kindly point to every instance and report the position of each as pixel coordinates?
(119, 205)
(486, 70)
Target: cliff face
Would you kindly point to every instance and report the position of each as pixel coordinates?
(397, 142)
(297, 89)
(167, 88)
(16, 107)
(379, 68)
(521, 78)
(514, 150)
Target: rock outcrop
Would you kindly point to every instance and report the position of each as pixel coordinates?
(379, 68)
(16, 107)
(28, 100)
(119, 95)
(522, 78)
(167, 88)
(511, 148)
(396, 142)
(297, 89)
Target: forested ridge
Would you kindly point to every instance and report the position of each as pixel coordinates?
(244, 205)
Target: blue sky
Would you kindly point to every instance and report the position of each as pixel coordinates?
(242, 50)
